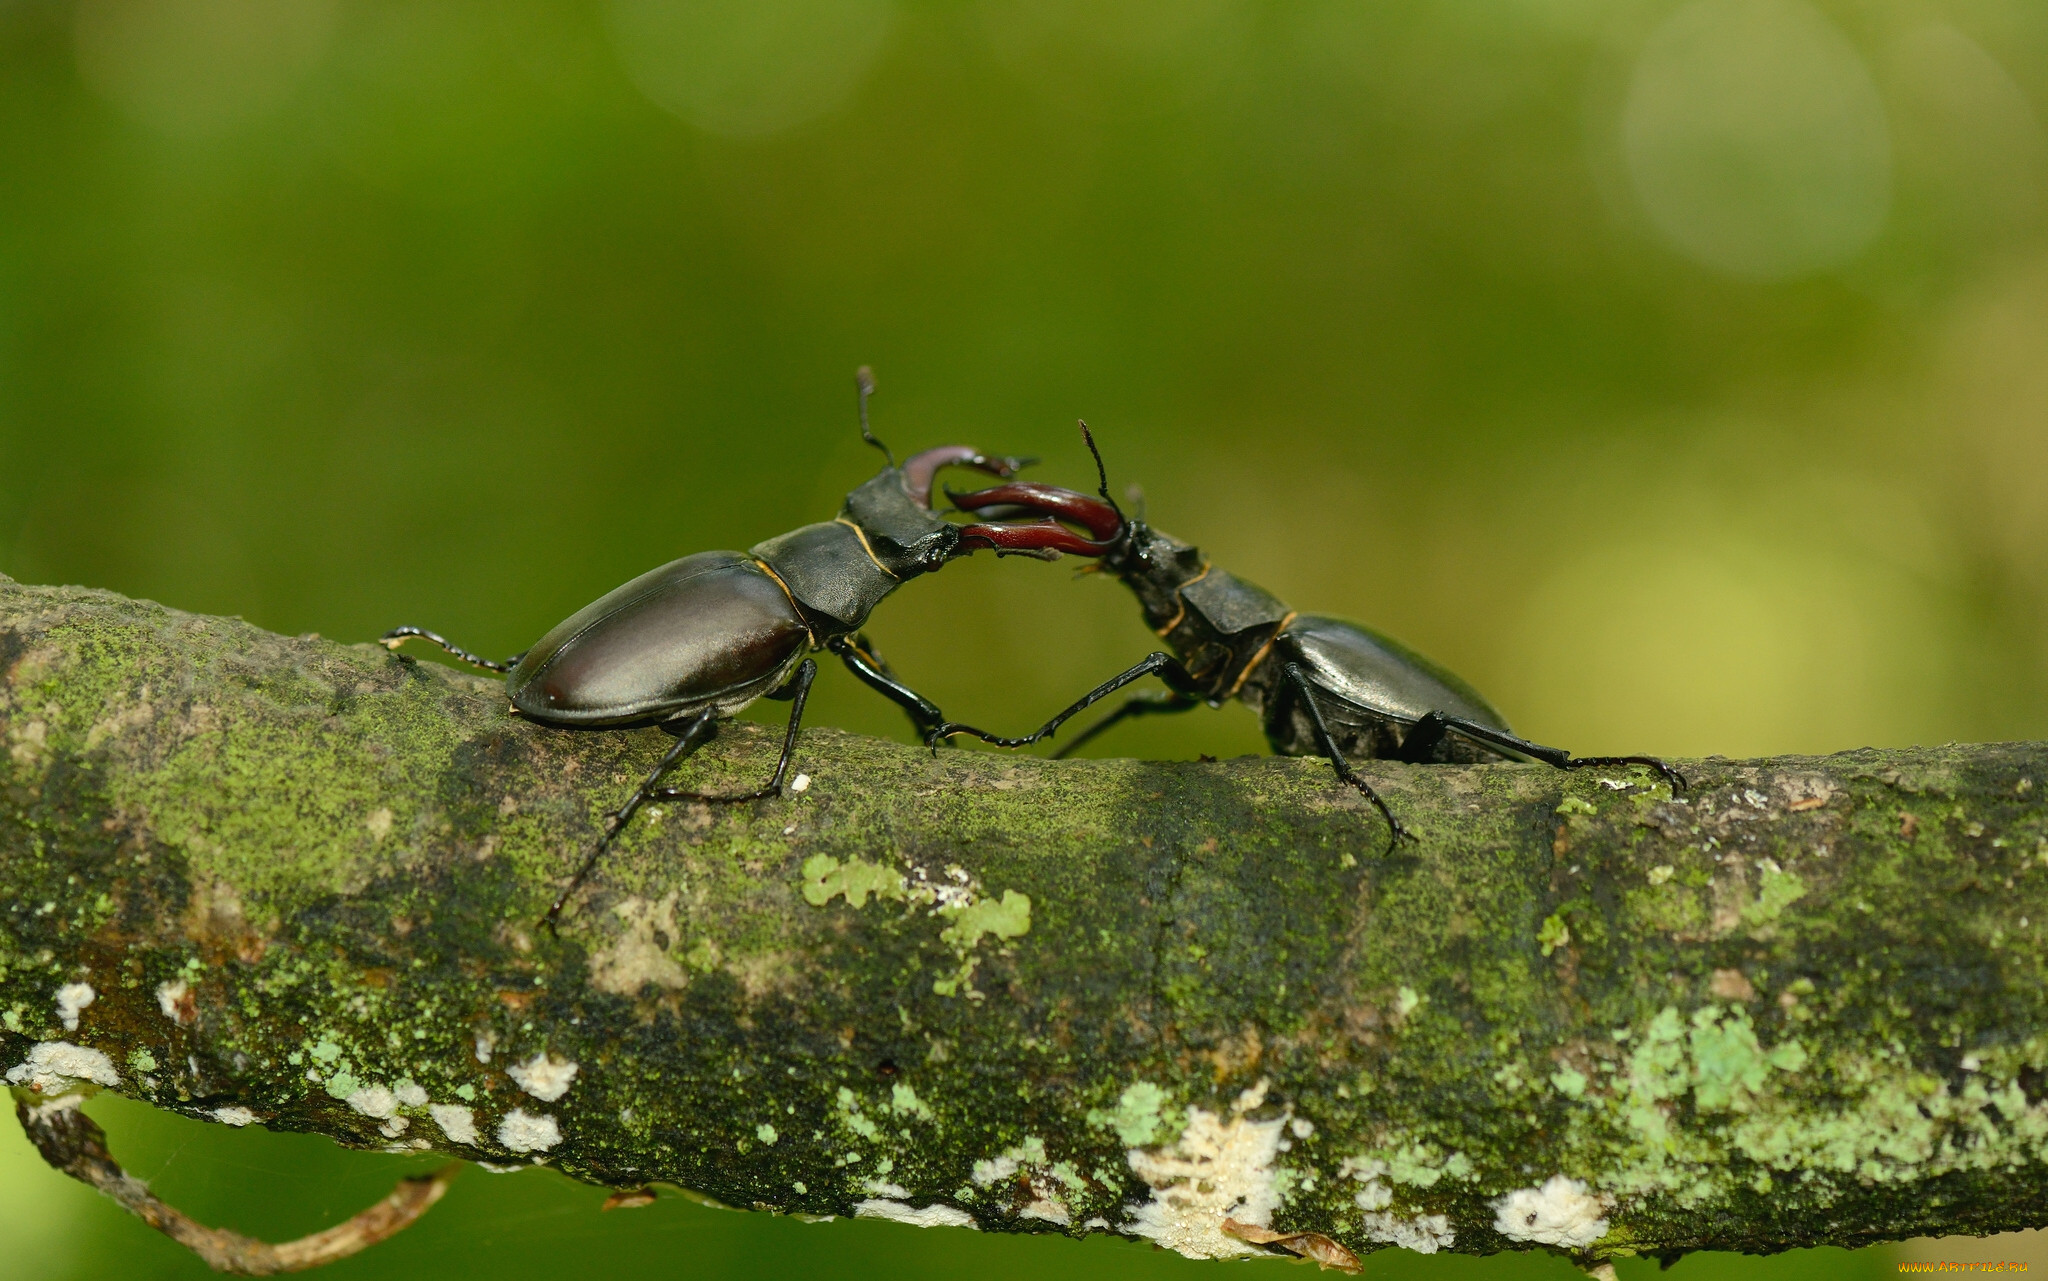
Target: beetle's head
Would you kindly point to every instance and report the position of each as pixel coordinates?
(893, 511)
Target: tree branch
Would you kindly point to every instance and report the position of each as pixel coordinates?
(244, 877)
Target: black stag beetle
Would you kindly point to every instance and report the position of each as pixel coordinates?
(1321, 685)
(704, 636)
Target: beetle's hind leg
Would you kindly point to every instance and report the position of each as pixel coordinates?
(397, 636)
(797, 691)
(1556, 756)
(695, 732)
(1305, 689)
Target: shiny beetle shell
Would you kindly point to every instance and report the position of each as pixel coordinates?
(1382, 675)
(713, 630)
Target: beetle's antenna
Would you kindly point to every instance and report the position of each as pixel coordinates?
(864, 387)
(1101, 474)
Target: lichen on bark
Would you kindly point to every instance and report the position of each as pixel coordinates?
(1801, 1004)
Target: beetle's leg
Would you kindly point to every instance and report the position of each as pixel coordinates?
(399, 635)
(1419, 744)
(1556, 756)
(695, 733)
(863, 662)
(1164, 666)
(1136, 705)
(798, 691)
(1305, 689)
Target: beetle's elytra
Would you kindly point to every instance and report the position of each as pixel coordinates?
(704, 636)
(1321, 686)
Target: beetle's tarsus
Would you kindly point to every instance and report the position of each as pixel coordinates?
(1669, 774)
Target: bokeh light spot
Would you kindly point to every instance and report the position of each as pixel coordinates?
(748, 70)
(1755, 138)
(198, 68)
(1970, 145)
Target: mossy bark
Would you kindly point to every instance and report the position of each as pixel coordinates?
(1802, 1004)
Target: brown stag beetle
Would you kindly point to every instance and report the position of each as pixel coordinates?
(704, 636)
(1321, 685)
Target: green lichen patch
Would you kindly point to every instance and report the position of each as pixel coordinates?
(1143, 1117)
(1008, 917)
(826, 878)
(1777, 889)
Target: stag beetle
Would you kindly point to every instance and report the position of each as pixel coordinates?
(704, 636)
(1321, 685)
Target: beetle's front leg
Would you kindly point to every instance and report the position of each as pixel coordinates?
(1135, 706)
(1165, 666)
(861, 659)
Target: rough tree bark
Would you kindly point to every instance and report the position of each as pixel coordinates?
(249, 877)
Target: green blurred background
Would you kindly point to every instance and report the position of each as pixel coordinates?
(1675, 371)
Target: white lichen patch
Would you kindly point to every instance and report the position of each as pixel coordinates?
(523, 1131)
(1218, 1169)
(72, 999)
(53, 1067)
(373, 1101)
(766, 1133)
(1038, 1181)
(410, 1094)
(641, 953)
(174, 998)
(233, 1116)
(1561, 1212)
(931, 1216)
(545, 1076)
(396, 1126)
(456, 1121)
(1422, 1233)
